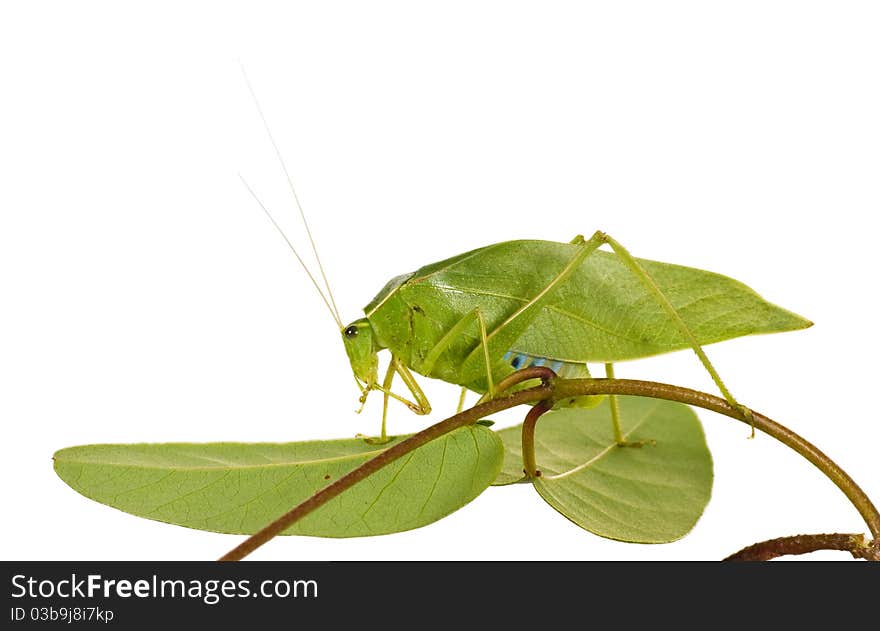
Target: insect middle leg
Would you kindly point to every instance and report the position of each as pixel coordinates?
(451, 336)
(461, 400)
(614, 405)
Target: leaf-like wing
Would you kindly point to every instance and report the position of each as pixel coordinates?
(239, 488)
(602, 312)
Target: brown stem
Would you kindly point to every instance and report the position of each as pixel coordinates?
(855, 544)
(530, 466)
(543, 373)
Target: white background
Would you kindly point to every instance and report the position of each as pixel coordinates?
(146, 298)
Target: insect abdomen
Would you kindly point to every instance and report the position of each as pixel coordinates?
(564, 369)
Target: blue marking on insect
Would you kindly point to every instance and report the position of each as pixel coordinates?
(565, 369)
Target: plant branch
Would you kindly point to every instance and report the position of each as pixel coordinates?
(530, 466)
(855, 544)
(552, 390)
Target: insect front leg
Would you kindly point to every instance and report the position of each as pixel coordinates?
(386, 389)
(421, 404)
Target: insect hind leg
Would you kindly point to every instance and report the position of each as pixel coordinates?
(647, 280)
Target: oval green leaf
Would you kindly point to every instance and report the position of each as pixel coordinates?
(654, 493)
(238, 488)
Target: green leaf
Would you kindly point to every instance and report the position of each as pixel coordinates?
(512, 467)
(654, 493)
(239, 488)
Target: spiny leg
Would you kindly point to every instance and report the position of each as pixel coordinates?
(648, 281)
(421, 404)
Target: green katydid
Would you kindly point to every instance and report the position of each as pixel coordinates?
(475, 318)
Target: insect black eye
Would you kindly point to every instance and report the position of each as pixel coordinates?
(351, 331)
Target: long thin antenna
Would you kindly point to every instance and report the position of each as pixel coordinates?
(292, 189)
(292, 249)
